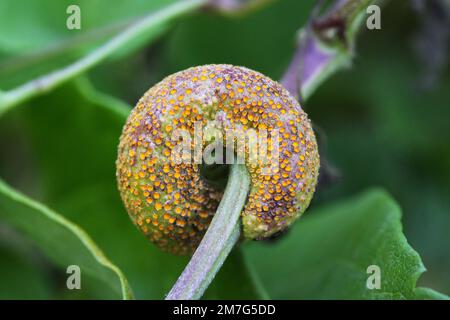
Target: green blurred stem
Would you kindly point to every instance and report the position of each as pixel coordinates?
(11, 98)
(221, 236)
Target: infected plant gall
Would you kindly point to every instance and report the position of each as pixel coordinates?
(172, 203)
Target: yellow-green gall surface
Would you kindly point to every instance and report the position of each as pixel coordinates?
(170, 202)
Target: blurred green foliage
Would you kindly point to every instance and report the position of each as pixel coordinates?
(378, 129)
(35, 40)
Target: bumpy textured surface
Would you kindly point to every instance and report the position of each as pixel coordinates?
(171, 203)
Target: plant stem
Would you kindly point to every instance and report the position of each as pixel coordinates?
(47, 82)
(315, 59)
(221, 236)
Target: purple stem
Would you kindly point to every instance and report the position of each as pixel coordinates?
(306, 65)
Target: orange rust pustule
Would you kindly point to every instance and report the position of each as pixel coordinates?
(171, 203)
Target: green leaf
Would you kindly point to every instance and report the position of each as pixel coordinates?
(47, 20)
(326, 254)
(53, 44)
(132, 36)
(74, 133)
(63, 241)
